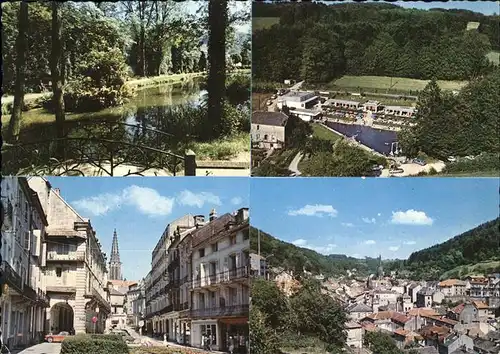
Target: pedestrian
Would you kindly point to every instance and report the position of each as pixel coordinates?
(231, 344)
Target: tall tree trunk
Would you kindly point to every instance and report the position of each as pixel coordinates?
(217, 23)
(21, 46)
(56, 57)
(142, 49)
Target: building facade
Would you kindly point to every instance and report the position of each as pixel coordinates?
(75, 271)
(268, 130)
(22, 307)
(220, 281)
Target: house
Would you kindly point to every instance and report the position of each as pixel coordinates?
(373, 106)
(358, 311)
(404, 337)
(400, 111)
(390, 321)
(268, 130)
(344, 104)
(427, 297)
(297, 99)
(466, 313)
(404, 303)
(456, 342)
(452, 287)
(354, 334)
(482, 308)
(413, 290)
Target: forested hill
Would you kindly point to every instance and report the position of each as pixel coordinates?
(322, 42)
(295, 258)
(480, 245)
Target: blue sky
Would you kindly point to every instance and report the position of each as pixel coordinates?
(485, 7)
(367, 217)
(141, 208)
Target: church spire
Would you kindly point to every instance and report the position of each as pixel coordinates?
(115, 266)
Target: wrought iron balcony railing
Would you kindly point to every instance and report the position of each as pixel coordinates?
(225, 311)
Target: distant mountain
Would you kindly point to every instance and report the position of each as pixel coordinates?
(476, 250)
(296, 258)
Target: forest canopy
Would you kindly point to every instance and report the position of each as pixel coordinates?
(322, 42)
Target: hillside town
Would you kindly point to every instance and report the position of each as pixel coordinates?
(451, 316)
(57, 281)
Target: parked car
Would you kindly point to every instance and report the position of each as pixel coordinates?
(396, 170)
(56, 338)
(124, 334)
(419, 162)
(452, 159)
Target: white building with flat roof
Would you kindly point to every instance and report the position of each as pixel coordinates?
(297, 99)
(307, 115)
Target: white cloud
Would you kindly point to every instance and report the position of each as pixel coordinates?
(315, 210)
(379, 214)
(299, 242)
(347, 224)
(370, 242)
(369, 221)
(393, 248)
(147, 200)
(411, 217)
(236, 201)
(326, 249)
(99, 204)
(410, 242)
(197, 199)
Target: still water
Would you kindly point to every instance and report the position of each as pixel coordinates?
(378, 140)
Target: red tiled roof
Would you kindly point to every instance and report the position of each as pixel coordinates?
(458, 309)
(392, 315)
(442, 319)
(422, 311)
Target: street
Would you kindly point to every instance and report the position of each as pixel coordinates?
(43, 348)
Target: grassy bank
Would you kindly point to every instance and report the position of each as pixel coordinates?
(386, 83)
(224, 149)
(321, 132)
(163, 79)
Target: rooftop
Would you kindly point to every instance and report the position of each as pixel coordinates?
(298, 96)
(278, 119)
(451, 282)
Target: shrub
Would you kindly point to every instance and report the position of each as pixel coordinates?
(95, 344)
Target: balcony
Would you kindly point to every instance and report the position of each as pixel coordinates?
(174, 263)
(102, 303)
(43, 298)
(11, 277)
(226, 311)
(222, 277)
(30, 293)
(71, 257)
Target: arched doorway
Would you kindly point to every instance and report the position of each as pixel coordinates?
(61, 318)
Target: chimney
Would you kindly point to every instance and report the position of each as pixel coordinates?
(199, 220)
(242, 215)
(213, 215)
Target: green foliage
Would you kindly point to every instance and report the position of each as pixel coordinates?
(262, 337)
(474, 246)
(238, 89)
(323, 42)
(345, 161)
(267, 297)
(381, 343)
(461, 125)
(483, 162)
(83, 344)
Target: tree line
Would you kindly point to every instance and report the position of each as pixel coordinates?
(477, 245)
(456, 125)
(319, 42)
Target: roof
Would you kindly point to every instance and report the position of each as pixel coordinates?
(389, 315)
(122, 283)
(480, 305)
(359, 307)
(278, 119)
(298, 96)
(400, 107)
(217, 227)
(441, 319)
(451, 282)
(430, 332)
(113, 291)
(422, 311)
(426, 292)
(332, 100)
(352, 325)
(423, 350)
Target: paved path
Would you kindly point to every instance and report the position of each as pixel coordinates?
(294, 165)
(43, 348)
(297, 86)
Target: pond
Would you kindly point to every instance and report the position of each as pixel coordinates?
(158, 121)
(376, 139)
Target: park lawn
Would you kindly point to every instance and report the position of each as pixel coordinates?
(494, 57)
(384, 83)
(321, 132)
(259, 23)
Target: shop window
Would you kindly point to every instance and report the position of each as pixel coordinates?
(58, 272)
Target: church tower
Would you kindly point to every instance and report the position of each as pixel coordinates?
(115, 266)
(380, 269)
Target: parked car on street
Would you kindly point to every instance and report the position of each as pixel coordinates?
(56, 338)
(124, 334)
